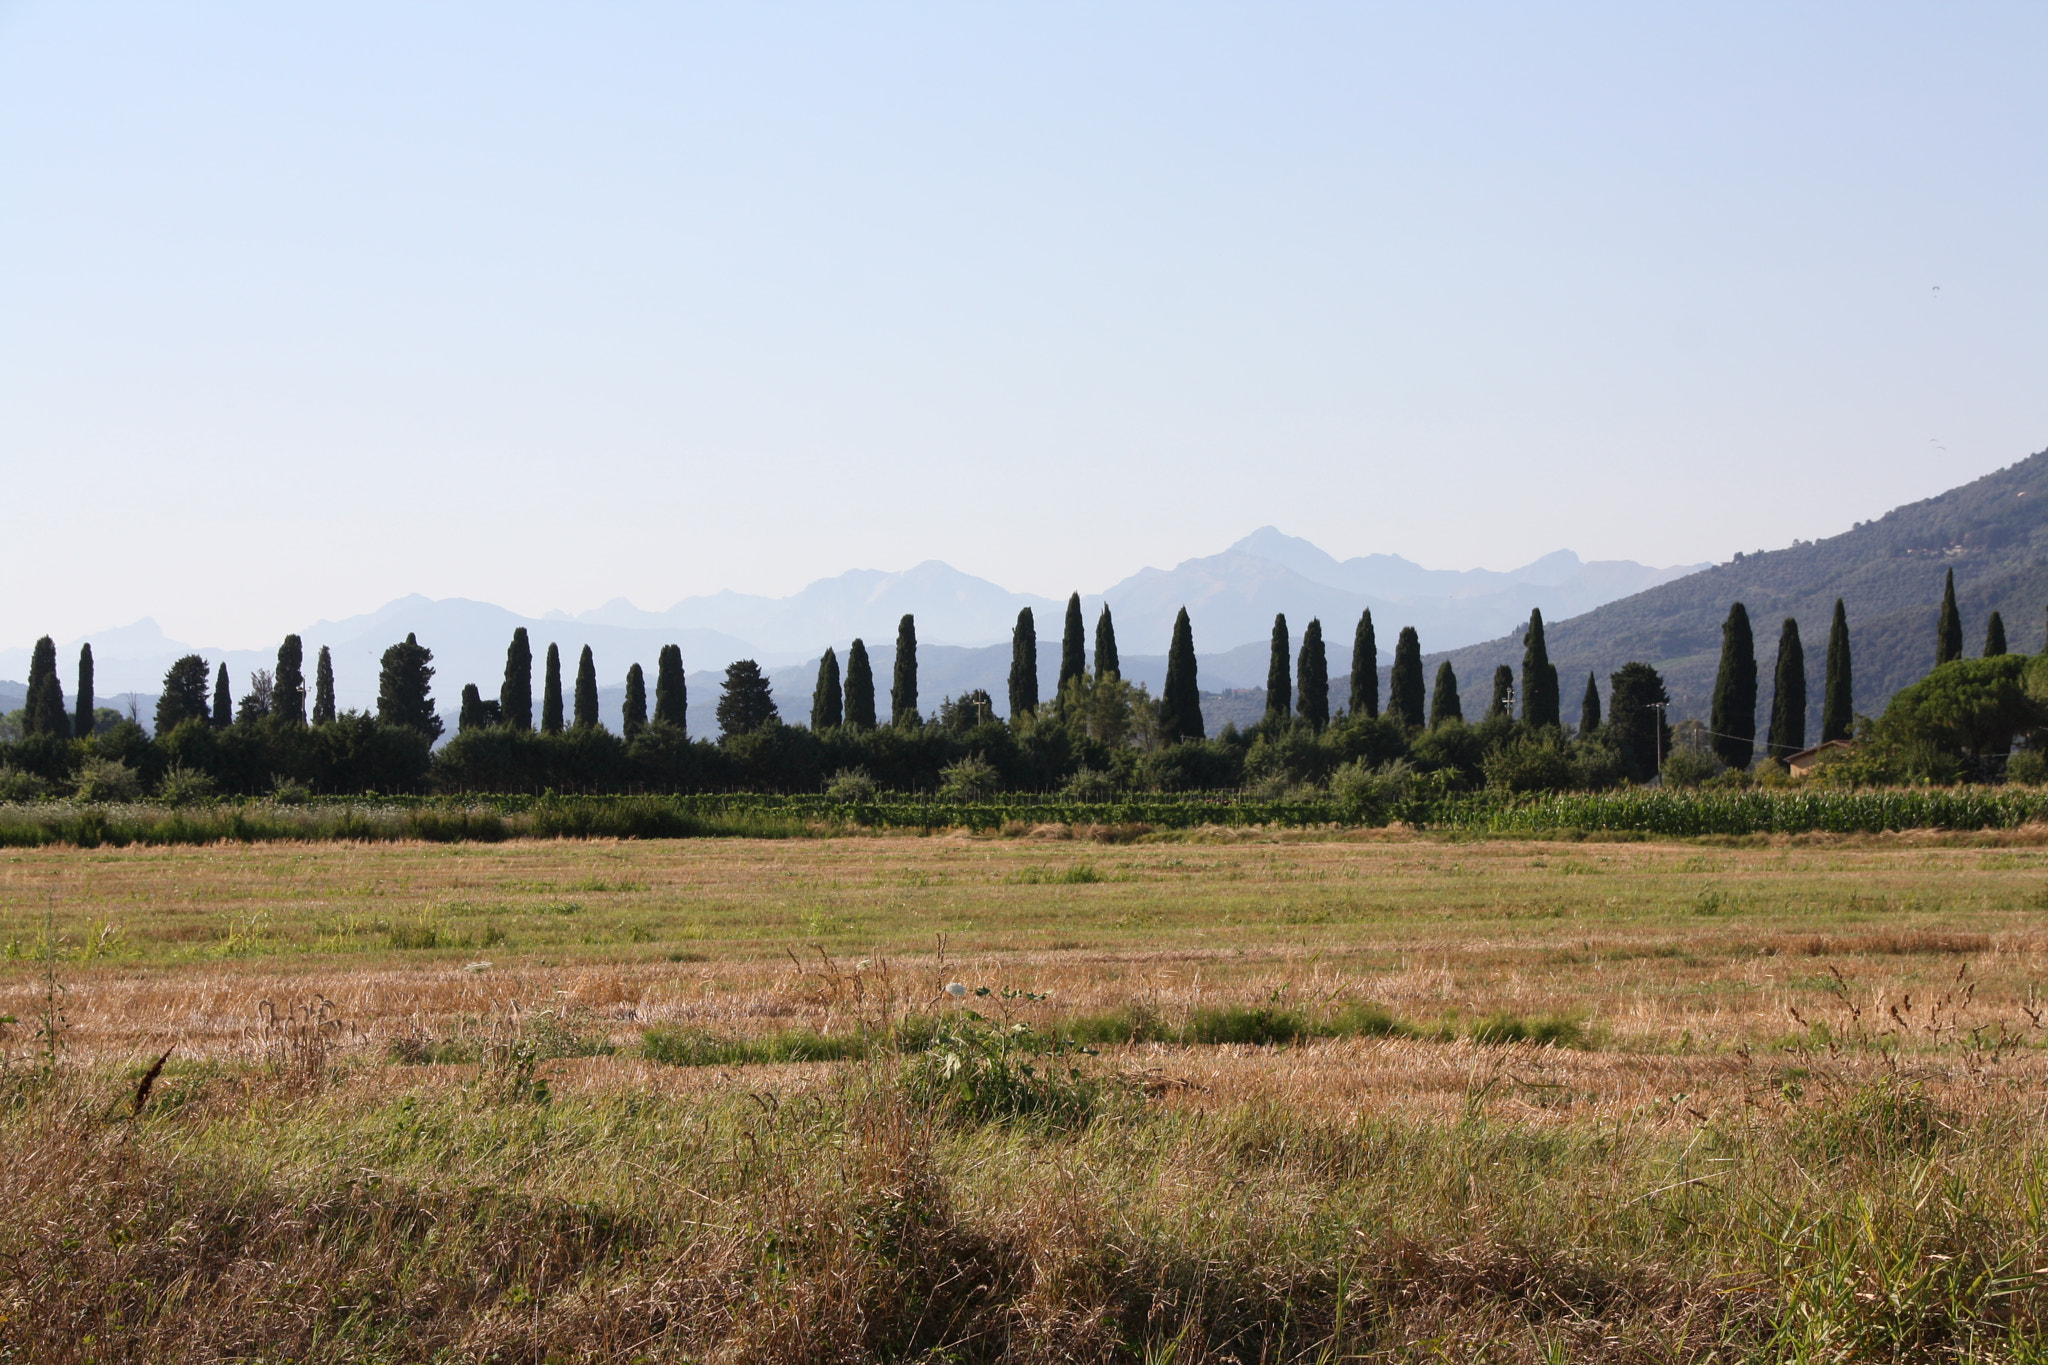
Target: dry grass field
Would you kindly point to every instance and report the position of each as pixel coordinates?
(1374, 1096)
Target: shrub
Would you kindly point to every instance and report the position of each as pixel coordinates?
(850, 785)
(103, 780)
(973, 778)
(17, 785)
(1255, 1026)
(1690, 767)
(702, 1047)
(182, 785)
(2029, 766)
(974, 1071)
(1553, 1031)
(1530, 763)
(1088, 784)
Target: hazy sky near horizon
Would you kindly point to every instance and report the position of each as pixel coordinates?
(303, 308)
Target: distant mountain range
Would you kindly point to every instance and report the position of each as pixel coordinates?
(963, 622)
(1993, 533)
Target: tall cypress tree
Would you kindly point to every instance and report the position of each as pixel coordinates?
(1024, 666)
(1106, 662)
(1073, 662)
(515, 697)
(1443, 698)
(671, 689)
(83, 725)
(1589, 709)
(1994, 637)
(1787, 735)
(1312, 676)
(288, 683)
(223, 699)
(860, 688)
(1365, 668)
(635, 717)
(1837, 701)
(1180, 701)
(551, 693)
(43, 710)
(471, 716)
(1404, 686)
(1279, 690)
(1733, 720)
(903, 679)
(586, 691)
(323, 688)
(828, 707)
(1540, 702)
(1502, 706)
(1948, 631)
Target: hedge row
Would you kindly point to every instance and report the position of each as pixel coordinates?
(485, 819)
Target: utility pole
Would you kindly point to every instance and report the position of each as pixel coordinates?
(1658, 707)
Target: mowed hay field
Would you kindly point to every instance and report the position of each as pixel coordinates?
(1224, 1096)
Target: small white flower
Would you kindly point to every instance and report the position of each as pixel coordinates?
(956, 990)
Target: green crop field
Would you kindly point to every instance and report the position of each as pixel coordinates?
(1216, 1093)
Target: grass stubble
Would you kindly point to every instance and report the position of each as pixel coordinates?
(1288, 1098)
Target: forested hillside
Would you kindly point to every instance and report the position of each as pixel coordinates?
(1889, 572)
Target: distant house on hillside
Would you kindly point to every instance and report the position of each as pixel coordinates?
(1807, 761)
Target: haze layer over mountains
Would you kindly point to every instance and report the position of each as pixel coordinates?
(963, 625)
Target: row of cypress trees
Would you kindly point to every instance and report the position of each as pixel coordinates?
(1731, 726)
(279, 694)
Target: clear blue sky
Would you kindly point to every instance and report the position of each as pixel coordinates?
(304, 307)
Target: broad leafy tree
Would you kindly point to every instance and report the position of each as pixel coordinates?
(745, 702)
(1732, 720)
(1787, 735)
(405, 688)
